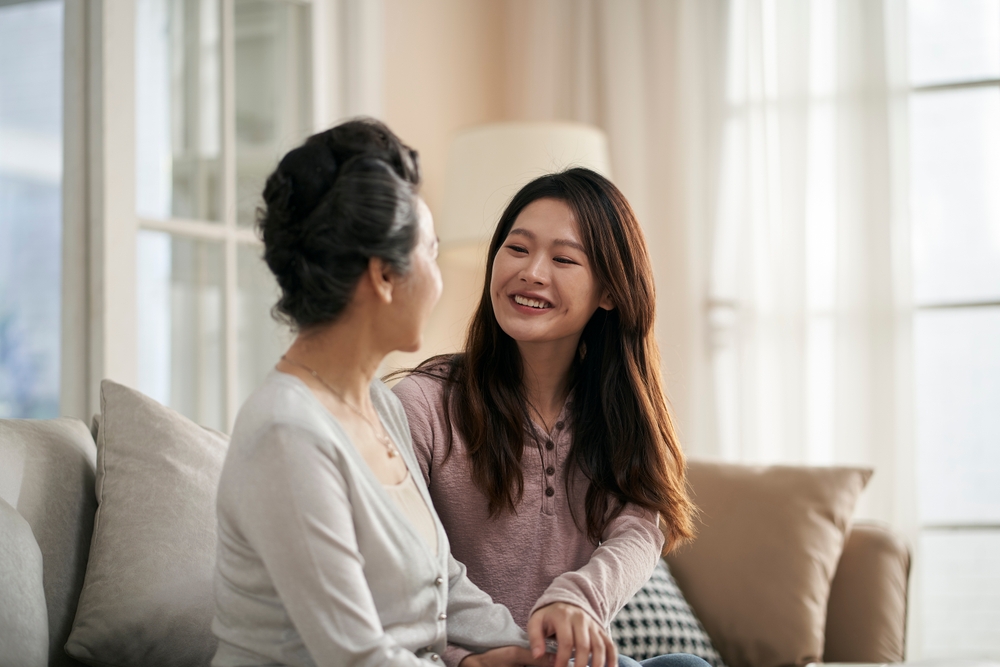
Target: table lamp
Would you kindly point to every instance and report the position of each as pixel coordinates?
(487, 164)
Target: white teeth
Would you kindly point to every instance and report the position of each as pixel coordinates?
(533, 303)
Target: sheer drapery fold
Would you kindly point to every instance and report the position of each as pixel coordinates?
(760, 144)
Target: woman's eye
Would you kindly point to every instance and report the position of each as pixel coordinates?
(517, 248)
(564, 260)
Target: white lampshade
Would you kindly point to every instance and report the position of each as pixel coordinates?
(487, 164)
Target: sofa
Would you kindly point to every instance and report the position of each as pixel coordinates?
(130, 584)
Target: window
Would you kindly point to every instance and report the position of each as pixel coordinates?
(955, 204)
(30, 207)
(840, 240)
(222, 91)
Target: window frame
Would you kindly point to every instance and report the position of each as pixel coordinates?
(226, 230)
(918, 608)
(919, 307)
(100, 221)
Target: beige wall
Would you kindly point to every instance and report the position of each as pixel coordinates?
(444, 69)
(443, 72)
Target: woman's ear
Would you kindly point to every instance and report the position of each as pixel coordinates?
(382, 279)
(606, 303)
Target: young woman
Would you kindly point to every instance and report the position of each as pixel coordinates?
(547, 445)
(329, 552)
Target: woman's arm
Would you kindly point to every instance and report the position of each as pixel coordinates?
(424, 417)
(294, 511)
(578, 606)
(620, 565)
(470, 622)
(475, 622)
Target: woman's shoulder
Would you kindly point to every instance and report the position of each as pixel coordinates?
(283, 409)
(423, 387)
(280, 398)
(281, 426)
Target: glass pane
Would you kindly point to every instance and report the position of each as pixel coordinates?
(30, 208)
(273, 92)
(180, 288)
(262, 340)
(178, 109)
(960, 583)
(954, 195)
(954, 40)
(958, 423)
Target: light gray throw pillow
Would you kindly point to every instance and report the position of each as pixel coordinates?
(24, 627)
(147, 597)
(47, 475)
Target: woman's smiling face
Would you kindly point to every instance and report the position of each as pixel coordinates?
(543, 287)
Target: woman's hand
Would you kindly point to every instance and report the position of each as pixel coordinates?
(506, 656)
(575, 630)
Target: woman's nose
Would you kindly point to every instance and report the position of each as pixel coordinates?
(535, 271)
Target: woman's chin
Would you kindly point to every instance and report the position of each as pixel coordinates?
(412, 346)
(528, 335)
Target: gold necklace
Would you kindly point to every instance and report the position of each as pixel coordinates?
(381, 437)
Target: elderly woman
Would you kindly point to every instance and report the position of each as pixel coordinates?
(329, 550)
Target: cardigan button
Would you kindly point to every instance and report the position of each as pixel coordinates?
(439, 581)
(550, 492)
(559, 425)
(550, 471)
(549, 445)
(442, 616)
(435, 657)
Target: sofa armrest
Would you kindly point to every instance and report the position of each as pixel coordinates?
(866, 614)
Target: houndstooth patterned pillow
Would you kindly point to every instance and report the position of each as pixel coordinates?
(659, 620)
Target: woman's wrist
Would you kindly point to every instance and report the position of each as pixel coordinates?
(454, 656)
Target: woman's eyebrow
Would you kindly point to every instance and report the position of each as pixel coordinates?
(527, 233)
(571, 244)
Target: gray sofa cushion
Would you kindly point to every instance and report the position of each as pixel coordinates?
(24, 630)
(147, 599)
(49, 466)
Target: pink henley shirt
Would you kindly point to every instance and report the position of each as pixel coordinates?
(538, 555)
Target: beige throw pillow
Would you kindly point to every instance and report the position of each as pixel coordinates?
(758, 573)
(147, 596)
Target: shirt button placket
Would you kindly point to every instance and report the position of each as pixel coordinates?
(550, 491)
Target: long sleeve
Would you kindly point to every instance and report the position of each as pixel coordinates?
(303, 531)
(475, 622)
(620, 565)
(537, 554)
(424, 420)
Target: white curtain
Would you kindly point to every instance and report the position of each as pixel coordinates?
(762, 146)
(649, 73)
(809, 279)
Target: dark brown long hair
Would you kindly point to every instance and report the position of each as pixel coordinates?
(623, 436)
